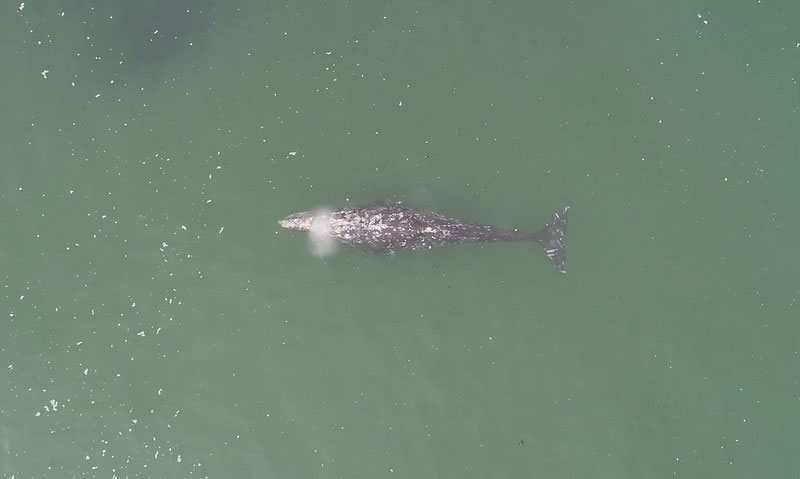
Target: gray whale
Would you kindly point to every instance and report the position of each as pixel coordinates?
(384, 226)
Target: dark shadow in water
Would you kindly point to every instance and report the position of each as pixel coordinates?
(138, 38)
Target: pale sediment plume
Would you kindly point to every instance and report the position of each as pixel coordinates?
(321, 243)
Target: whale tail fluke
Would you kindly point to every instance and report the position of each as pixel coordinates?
(552, 238)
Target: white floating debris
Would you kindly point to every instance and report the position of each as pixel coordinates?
(44, 74)
(220, 230)
(140, 333)
(292, 153)
(97, 95)
(86, 372)
(179, 459)
(183, 227)
(53, 405)
(21, 6)
(133, 305)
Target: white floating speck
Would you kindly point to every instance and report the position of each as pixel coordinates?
(133, 305)
(183, 227)
(292, 153)
(97, 95)
(86, 372)
(10, 366)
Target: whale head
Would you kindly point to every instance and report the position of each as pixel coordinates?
(318, 225)
(299, 221)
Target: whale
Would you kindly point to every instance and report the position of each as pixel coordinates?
(388, 227)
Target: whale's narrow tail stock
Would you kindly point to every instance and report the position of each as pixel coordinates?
(552, 238)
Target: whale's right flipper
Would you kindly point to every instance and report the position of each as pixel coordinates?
(552, 238)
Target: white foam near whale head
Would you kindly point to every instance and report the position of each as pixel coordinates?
(320, 241)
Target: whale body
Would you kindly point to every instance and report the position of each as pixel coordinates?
(383, 226)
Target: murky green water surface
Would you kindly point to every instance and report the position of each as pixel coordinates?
(155, 322)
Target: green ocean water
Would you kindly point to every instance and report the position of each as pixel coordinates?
(156, 322)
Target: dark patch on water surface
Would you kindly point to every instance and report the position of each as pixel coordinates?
(134, 38)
